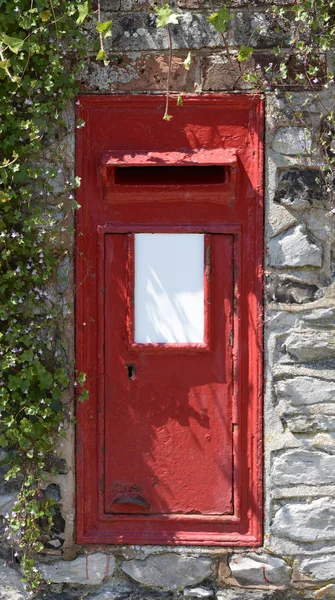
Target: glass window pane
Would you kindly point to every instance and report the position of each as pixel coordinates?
(169, 288)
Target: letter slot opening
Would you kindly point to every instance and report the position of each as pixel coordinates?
(170, 175)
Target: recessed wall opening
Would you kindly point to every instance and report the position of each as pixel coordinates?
(170, 175)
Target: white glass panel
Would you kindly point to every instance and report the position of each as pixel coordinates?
(169, 288)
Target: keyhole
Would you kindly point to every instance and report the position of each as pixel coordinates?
(131, 371)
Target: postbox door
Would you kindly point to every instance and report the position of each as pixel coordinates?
(168, 374)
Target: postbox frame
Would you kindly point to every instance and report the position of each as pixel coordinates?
(244, 527)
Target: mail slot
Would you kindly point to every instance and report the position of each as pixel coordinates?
(168, 326)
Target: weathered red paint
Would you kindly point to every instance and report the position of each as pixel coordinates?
(169, 446)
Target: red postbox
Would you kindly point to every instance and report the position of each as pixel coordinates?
(168, 320)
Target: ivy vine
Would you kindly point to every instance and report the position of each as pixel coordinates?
(42, 46)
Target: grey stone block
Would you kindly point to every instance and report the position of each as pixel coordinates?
(259, 569)
(6, 503)
(114, 590)
(11, 587)
(90, 569)
(243, 594)
(303, 467)
(137, 31)
(53, 491)
(292, 141)
(306, 522)
(325, 593)
(168, 571)
(324, 442)
(63, 275)
(309, 423)
(56, 463)
(292, 248)
(299, 188)
(288, 291)
(320, 568)
(198, 592)
(322, 317)
(305, 390)
(310, 346)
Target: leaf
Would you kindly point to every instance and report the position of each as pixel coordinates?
(45, 15)
(244, 53)
(167, 117)
(4, 64)
(180, 100)
(187, 61)
(220, 20)
(101, 55)
(105, 29)
(81, 378)
(165, 16)
(83, 10)
(83, 396)
(14, 44)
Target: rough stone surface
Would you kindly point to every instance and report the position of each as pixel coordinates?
(11, 587)
(198, 592)
(299, 188)
(302, 466)
(53, 491)
(259, 569)
(292, 248)
(292, 141)
(243, 594)
(325, 593)
(288, 291)
(137, 31)
(309, 423)
(310, 346)
(305, 390)
(7, 593)
(324, 442)
(56, 463)
(63, 274)
(90, 569)
(6, 503)
(320, 567)
(218, 73)
(168, 571)
(306, 522)
(114, 590)
(137, 72)
(322, 317)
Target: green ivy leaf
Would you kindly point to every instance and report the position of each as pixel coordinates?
(4, 64)
(102, 56)
(105, 29)
(81, 378)
(220, 20)
(83, 396)
(165, 16)
(14, 44)
(83, 10)
(244, 53)
(45, 15)
(187, 61)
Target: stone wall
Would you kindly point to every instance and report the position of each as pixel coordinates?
(298, 555)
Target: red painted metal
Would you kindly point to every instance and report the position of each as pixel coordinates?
(169, 446)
